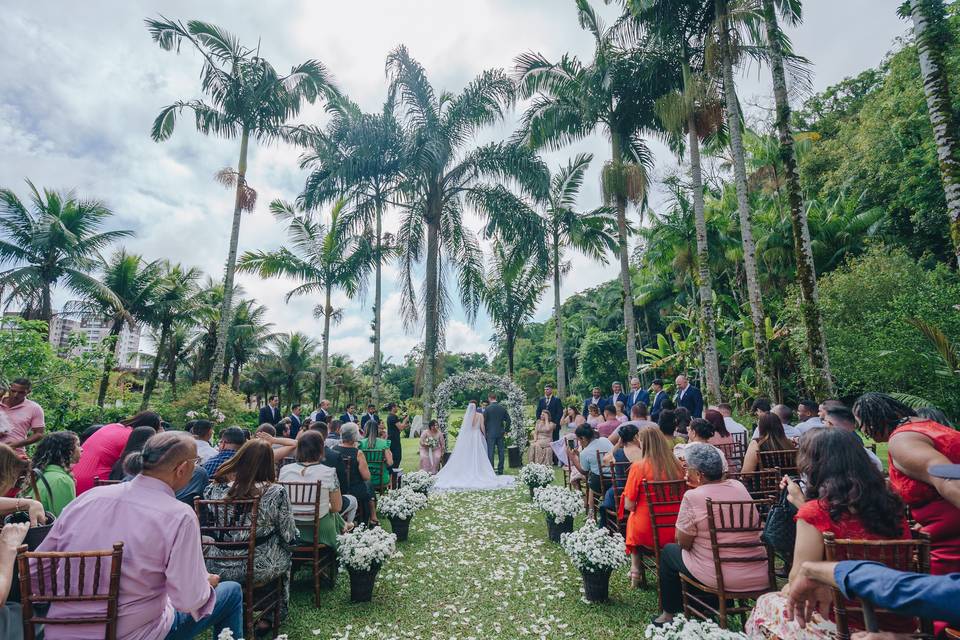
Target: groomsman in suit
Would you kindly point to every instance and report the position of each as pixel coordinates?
(350, 415)
(371, 414)
(596, 399)
(636, 395)
(553, 406)
(270, 414)
(323, 413)
(617, 396)
(659, 396)
(295, 421)
(688, 396)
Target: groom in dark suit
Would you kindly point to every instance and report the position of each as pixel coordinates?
(270, 414)
(551, 404)
(496, 421)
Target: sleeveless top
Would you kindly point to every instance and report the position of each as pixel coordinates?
(945, 440)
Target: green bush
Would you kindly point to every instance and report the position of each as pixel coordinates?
(232, 404)
(602, 359)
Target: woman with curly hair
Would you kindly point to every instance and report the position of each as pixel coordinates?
(56, 454)
(846, 495)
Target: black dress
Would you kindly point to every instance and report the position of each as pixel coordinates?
(394, 435)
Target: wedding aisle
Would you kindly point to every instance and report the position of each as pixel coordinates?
(477, 565)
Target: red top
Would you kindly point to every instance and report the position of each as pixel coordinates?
(100, 452)
(945, 440)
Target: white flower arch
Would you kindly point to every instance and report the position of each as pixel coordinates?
(477, 379)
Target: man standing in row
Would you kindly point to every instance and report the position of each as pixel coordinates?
(270, 414)
(689, 396)
(617, 396)
(22, 417)
(595, 398)
(659, 397)
(350, 415)
(552, 405)
(636, 395)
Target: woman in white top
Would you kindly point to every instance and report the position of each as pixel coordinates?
(333, 507)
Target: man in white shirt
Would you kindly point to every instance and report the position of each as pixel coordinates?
(840, 417)
(808, 416)
(732, 425)
(202, 431)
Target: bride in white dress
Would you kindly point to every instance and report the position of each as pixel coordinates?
(468, 466)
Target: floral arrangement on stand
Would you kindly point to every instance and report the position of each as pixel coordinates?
(216, 415)
(594, 549)
(535, 476)
(401, 504)
(683, 628)
(419, 481)
(558, 503)
(365, 549)
(478, 379)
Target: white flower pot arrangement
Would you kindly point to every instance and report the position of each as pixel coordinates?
(362, 553)
(419, 481)
(400, 505)
(561, 506)
(535, 476)
(596, 553)
(683, 628)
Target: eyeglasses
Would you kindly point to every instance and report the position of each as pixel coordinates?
(196, 461)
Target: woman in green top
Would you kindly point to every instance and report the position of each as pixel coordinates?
(374, 443)
(56, 454)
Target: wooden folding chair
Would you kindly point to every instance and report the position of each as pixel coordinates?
(321, 558)
(377, 462)
(596, 499)
(663, 502)
(784, 459)
(97, 482)
(734, 452)
(620, 471)
(68, 577)
(763, 485)
(733, 517)
(902, 555)
(232, 524)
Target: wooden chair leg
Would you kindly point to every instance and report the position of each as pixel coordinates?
(316, 581)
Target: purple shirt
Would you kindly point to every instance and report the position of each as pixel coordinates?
(163, 569)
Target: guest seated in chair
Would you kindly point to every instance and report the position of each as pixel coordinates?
(138, 438)
(11, 537)
(585, 460)
(692, 554)
(354, 473)
(252, 473)
(56, 454)
(772, 438)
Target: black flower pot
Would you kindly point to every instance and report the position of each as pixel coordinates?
(554, 530)
(401, 528)
(513, 457)
(596, 585)
(361, 584)
(531, 492)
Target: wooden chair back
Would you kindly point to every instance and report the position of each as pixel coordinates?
(734, 452)
(97, 482)
(762, 485)
(307, 494)
(903, 555)
(377, 462)
(784, 459)
(75, 576)
(304, 495)
(663, 502)
(620, 470)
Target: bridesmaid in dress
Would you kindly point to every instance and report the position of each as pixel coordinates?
(430, 456)
(541, 452)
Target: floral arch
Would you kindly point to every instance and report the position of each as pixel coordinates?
(477, 379)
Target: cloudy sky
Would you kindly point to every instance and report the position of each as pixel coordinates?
(82, 83)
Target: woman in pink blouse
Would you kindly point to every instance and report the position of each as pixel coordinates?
(103, 448)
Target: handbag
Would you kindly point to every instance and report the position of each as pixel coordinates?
(780, 530)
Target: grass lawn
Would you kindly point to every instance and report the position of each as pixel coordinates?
(476, 565)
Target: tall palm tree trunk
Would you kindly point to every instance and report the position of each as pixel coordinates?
(708, 320)
(557, 320)
(46, 306)
(325, 359)
(511, 342)
(928, 23)
(151, 382)
(226, 308)
(821, 383)
(377, 301)
(431, 319)
(108, 362)
(629, 320)
(761, 354)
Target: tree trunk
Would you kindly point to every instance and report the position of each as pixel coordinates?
(226, 308)
(235, 376)
(928, 23)
(327, 311)
(510, 344)
(821, 383)
(151, 382)
(708, 321)
(628, 318)
(431, 320)
(46, 306)
(108, 362)
(377, 301)
(757, 315)
(557, 321)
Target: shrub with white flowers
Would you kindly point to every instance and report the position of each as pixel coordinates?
(683, 628)
(401, 503)
(558, 503)
(536, 475)
(363, 549)
(202, 414)
(594, 549)
(419, 481)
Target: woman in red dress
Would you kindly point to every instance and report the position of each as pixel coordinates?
(657, 464)
(916, 444)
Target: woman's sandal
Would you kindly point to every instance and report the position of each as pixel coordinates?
(634, 579)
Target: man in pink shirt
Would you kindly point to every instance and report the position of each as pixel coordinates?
(22, 417)
(610, 423)
(165, 590)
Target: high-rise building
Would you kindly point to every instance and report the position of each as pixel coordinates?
(95, 330)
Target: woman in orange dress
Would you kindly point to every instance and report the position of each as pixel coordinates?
(657, 464)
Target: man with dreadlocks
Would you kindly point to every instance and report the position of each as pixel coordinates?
(916, 445)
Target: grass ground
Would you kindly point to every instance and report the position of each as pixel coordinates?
(476, 565)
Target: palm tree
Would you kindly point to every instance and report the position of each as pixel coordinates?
(175, 352)
(57, 239)
(933, 36)
(249, 331)
(248, 99)
(127, 297)
(290, 356)
(174, 303)
(323, 258)
(586, 231)
(359, 157)
(615, 92)
(442, 178)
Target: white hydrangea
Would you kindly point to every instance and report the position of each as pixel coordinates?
(682, 628)
(363, 549)
(558, 503)
(420, 481)
(401, 503)
(536, 475)
(594, 549)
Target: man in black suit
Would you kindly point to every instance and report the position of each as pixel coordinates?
(270, 414)
(551, 404)
(618, 395)
(496, 422)
(596, 399)
(659, 397)
(322, 414)
(350, 415)
(689, 396)
(295, 421)
(371, 414)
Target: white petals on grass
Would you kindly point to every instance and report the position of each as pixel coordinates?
(682, 628)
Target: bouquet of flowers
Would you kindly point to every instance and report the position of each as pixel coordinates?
(536, 475)
(431, 442)
(401, 503)
(419, 481)
(594, 549)
(682, 628)
(558, 503)
(364, 549)
(216, 416)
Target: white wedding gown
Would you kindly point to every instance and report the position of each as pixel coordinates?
(469, 467)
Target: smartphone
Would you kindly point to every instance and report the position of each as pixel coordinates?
(572, 444)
